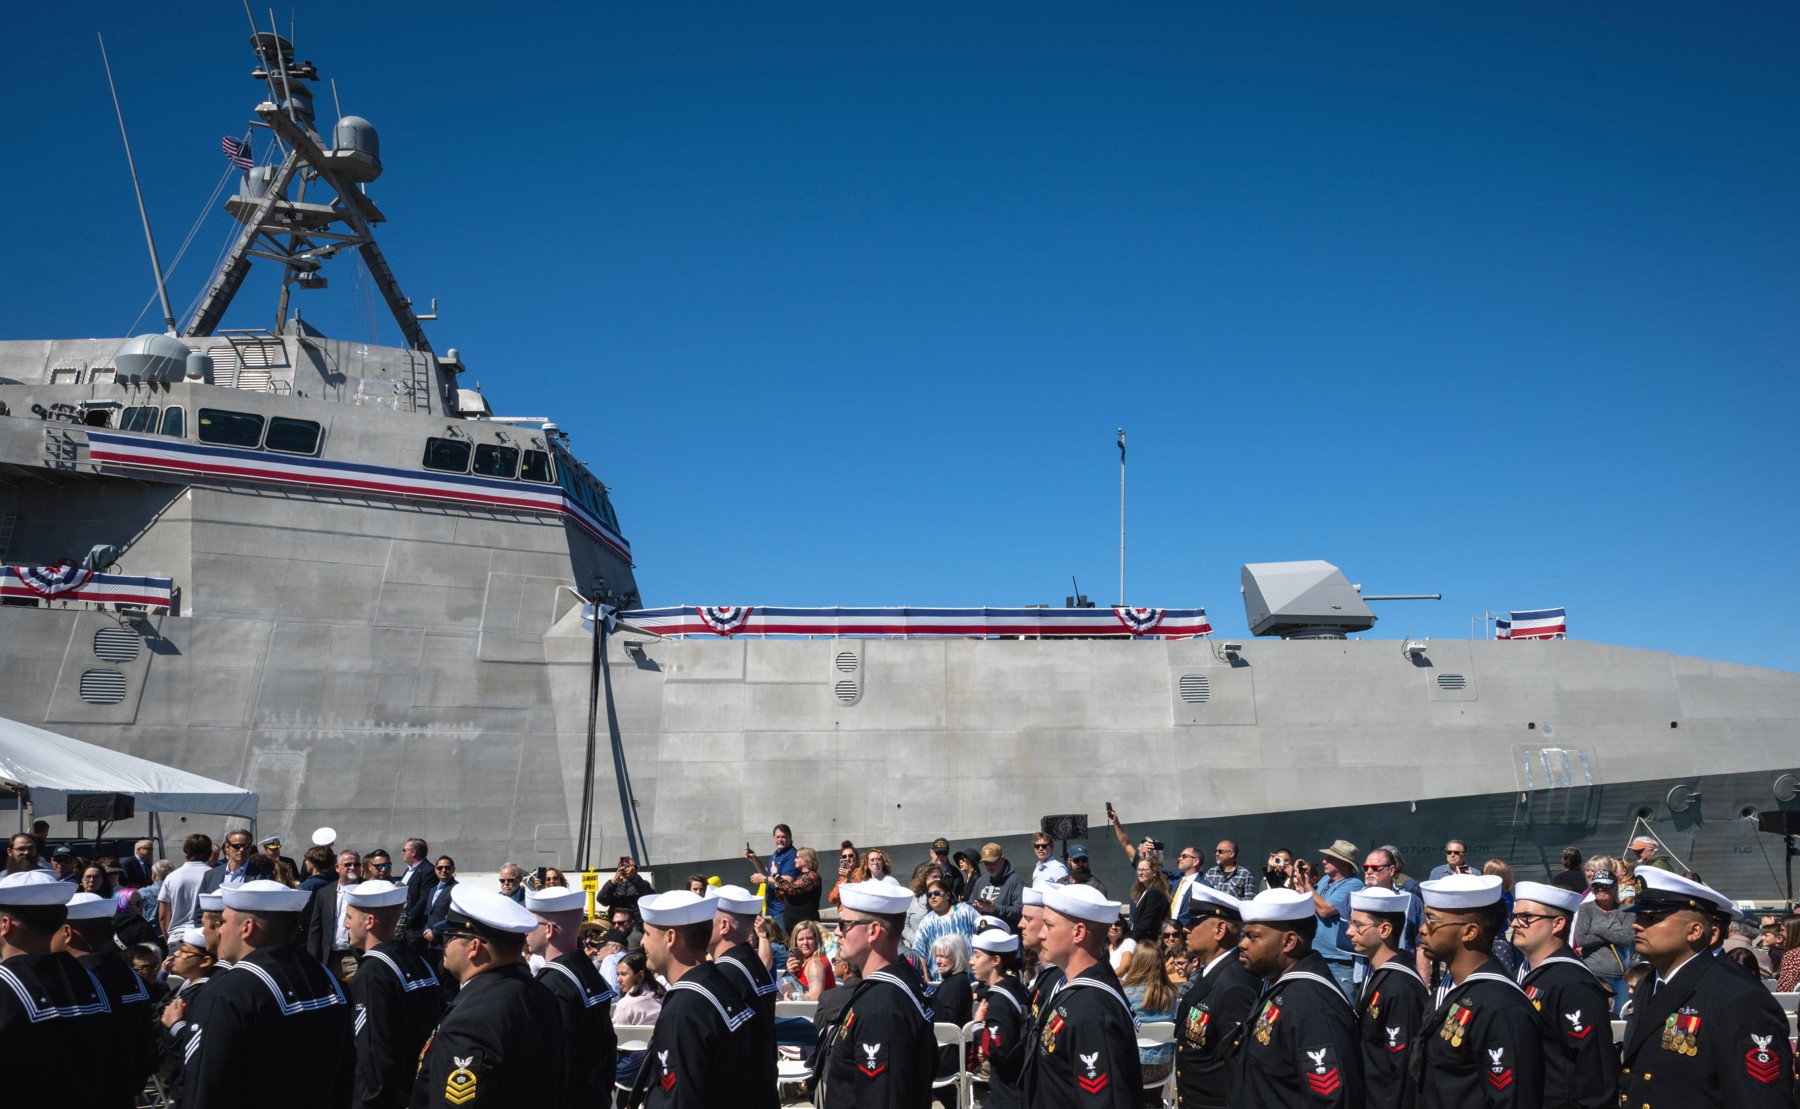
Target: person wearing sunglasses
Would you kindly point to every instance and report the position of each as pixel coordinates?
(1482, 1045)
(437, 905)
(1456, 860)
(944, 916)
(887, 1055)
(500, 1042)
(1581, 1064)
(1392, 1002)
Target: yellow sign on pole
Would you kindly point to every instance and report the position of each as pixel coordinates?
(590, 885)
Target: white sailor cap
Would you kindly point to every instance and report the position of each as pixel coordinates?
(1276, 906)
(1081, 903)
(1665, 891)
(486, 912)
(1203, 901)
(985, 923)
(90, 906)
(737, 899)
(1461, 892)
(1555, 897)
(35, 887)
(995, 942)
(679, 907)
(1374, 899)
(212, 902)
(193, 937)
(378, 893)
(554, 900)
(1034, 893)
(265, 896)
(875, 897)
(324, 837)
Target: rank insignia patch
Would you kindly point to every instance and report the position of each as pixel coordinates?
(1577, 1029)
(1456, 1025)
(873, 1061)
(667, 1079)
(1322, 1071)
(459, 1088)
(1265, 1022)
(1394, 1045)
(1094, 1080)
(1499, 1075)
(1761, 1063)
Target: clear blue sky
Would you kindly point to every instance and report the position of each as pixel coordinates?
(845, 300)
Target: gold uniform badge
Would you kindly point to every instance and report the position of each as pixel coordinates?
(459, 1088)
(1265, 1022)
(1051, 1028)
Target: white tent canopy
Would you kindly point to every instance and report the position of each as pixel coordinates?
(47, 767)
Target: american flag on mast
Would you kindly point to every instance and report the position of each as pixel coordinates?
(237, 152)
(1537, 623)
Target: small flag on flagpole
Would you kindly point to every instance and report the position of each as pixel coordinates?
(1502, 629)
(1538, 623)
(237, 152)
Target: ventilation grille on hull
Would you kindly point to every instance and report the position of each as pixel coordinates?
(115, 645)
(102, 687)
(1195, 689)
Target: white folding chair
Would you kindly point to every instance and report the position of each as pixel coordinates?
(971, 1035)
(1789, 1002)
(804, 1009)
(951, 1035)
(633, 1037)
(1155, 1034)
(1618, 1031)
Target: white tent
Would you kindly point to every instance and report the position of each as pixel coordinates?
(45, 768)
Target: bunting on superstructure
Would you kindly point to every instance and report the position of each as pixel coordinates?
(900, 622)
(67, 582)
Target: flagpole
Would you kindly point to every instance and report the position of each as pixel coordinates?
(162, 286)
(1121, 517)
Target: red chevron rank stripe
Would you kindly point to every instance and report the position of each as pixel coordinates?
(1762, 1065)
(1324, 1084)
(1500, 1079)
(1091, 1085)
(668, 1081)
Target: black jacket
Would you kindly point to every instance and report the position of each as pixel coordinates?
(320, 927)
(699, 1054)
(132, 1052)
(1709, 1037)
(1084, 1050)
(498, 1046)
(1581, 1065)
(274, 995)
(1005, 1038)
(397, 1001)
(418, 892)
(1300, 1047)
(883, 1054)
(1480, 1048)
(1390, 1010)
(1209, 1017)
(52, 1009)
(590, 1047)
(744, 969)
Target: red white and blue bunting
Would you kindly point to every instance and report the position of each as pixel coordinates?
(1537, 623)
(1073, 623)
(66, 582)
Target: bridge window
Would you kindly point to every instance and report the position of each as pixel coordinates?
(537, 467)
(230, 429)
(172, 422)
(290, 436)
(140, 419)
(449, 455)
(493, 461)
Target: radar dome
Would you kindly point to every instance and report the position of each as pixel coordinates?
(151, 358)
(356, 149)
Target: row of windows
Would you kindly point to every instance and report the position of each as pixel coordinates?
(586, 490)
(459, 456)
(149, 420)
(246, 429)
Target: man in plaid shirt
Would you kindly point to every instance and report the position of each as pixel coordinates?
(1227, 876)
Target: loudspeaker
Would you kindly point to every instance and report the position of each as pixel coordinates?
(1779, 822)
(101, 806)
(1066, 826)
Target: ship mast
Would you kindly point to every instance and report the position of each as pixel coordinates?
(300, 234)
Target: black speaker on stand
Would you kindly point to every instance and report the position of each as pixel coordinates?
(1786, 824)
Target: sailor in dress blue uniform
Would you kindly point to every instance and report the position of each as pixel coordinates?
(1216, 1004)
(1085, 1049)
(1700, 1034)
(1581, 1063)
(1480, 1048)
(882, 1054)
(1005, 1016)
(274, 994)
(52, 1009)
(584, 999)
(395, 996)
(734, 934)
(88, 935)
(1392, 1001)
(1300, 1048)
(698, 1056)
